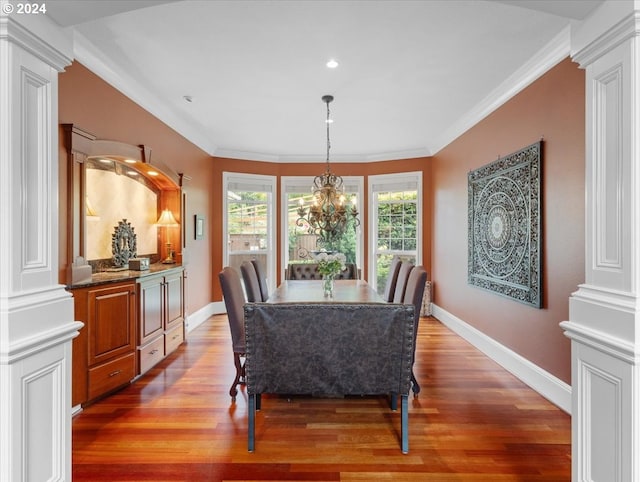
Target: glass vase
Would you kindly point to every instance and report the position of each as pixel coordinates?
(327, 285)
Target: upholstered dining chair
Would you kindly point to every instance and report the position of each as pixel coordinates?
(401, 283)
(392, 279)
(309, 271)
(350, 272)
(413, 296)
(251, 283)
(234, 302)
(262, 279)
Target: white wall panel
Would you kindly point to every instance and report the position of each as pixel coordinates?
(604, 313)
(36, 318)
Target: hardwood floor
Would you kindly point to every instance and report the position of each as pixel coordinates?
(473, 421)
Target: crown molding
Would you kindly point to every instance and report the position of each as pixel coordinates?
(245, 155)
(38, 37)
(550, 55)
(302, 159)
(624, 30)
(90, 56)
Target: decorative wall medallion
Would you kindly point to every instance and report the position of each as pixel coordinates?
(123, 244)
(505, 226)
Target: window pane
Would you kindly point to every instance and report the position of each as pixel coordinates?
(384, 228)
(396, 234)
(410, 245)
(383, 261)
(301, 243)
(410, 209)
(247, 222)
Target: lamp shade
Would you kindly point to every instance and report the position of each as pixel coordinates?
(166, 219)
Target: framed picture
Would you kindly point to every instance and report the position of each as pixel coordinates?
(505, 226)
(198, 231)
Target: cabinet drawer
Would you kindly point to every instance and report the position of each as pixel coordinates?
(108, 376)
(151, 353)
(173, 338)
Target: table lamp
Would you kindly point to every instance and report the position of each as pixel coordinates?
(167, 220)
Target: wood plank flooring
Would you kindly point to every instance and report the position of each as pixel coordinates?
(473, 421)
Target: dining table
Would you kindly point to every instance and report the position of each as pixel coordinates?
(301, 342)
(345, 291)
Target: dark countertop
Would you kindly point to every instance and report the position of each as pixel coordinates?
(105, 277)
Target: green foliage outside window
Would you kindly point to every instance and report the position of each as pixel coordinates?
(397, 231)
(345, 245)
(247, 215)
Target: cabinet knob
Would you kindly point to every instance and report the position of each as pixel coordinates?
(113, 374)
(153, 352)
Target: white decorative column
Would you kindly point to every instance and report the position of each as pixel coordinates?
(36, 313)
(604, 313)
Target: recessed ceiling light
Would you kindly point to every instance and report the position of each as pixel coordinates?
(153, 173)
(130, 161)
(332, 64)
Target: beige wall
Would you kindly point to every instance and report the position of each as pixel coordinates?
(114, 198)
(552, 108)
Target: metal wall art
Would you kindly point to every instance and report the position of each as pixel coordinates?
(505, 226)
(123, 244)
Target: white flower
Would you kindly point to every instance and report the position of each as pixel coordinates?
(322, 256)
(331, 264)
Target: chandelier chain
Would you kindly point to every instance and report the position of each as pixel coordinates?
(328, 137)
(328, 216)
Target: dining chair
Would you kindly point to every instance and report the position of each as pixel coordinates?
(413, 296)
(251, 283)
(392, 279)
(234, 302)
(309, 271)
(303, 271)
(350, 272)
(401, 283)
(262, 279)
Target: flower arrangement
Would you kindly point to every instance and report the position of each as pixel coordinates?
(331, 264)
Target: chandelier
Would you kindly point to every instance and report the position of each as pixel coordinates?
(328, 216)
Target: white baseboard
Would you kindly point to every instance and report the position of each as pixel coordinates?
(196, 319)
(547, 385)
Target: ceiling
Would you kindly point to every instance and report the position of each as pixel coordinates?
(412, 75)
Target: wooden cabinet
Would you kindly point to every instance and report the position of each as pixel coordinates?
(129, 326)
(161, 310)
(104, 351)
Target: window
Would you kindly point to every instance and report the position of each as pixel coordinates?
(297, 242)
(395, 222)
(249, 223)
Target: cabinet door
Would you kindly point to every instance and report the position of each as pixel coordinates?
(174, 304)
(151, 295)
(111, 322)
